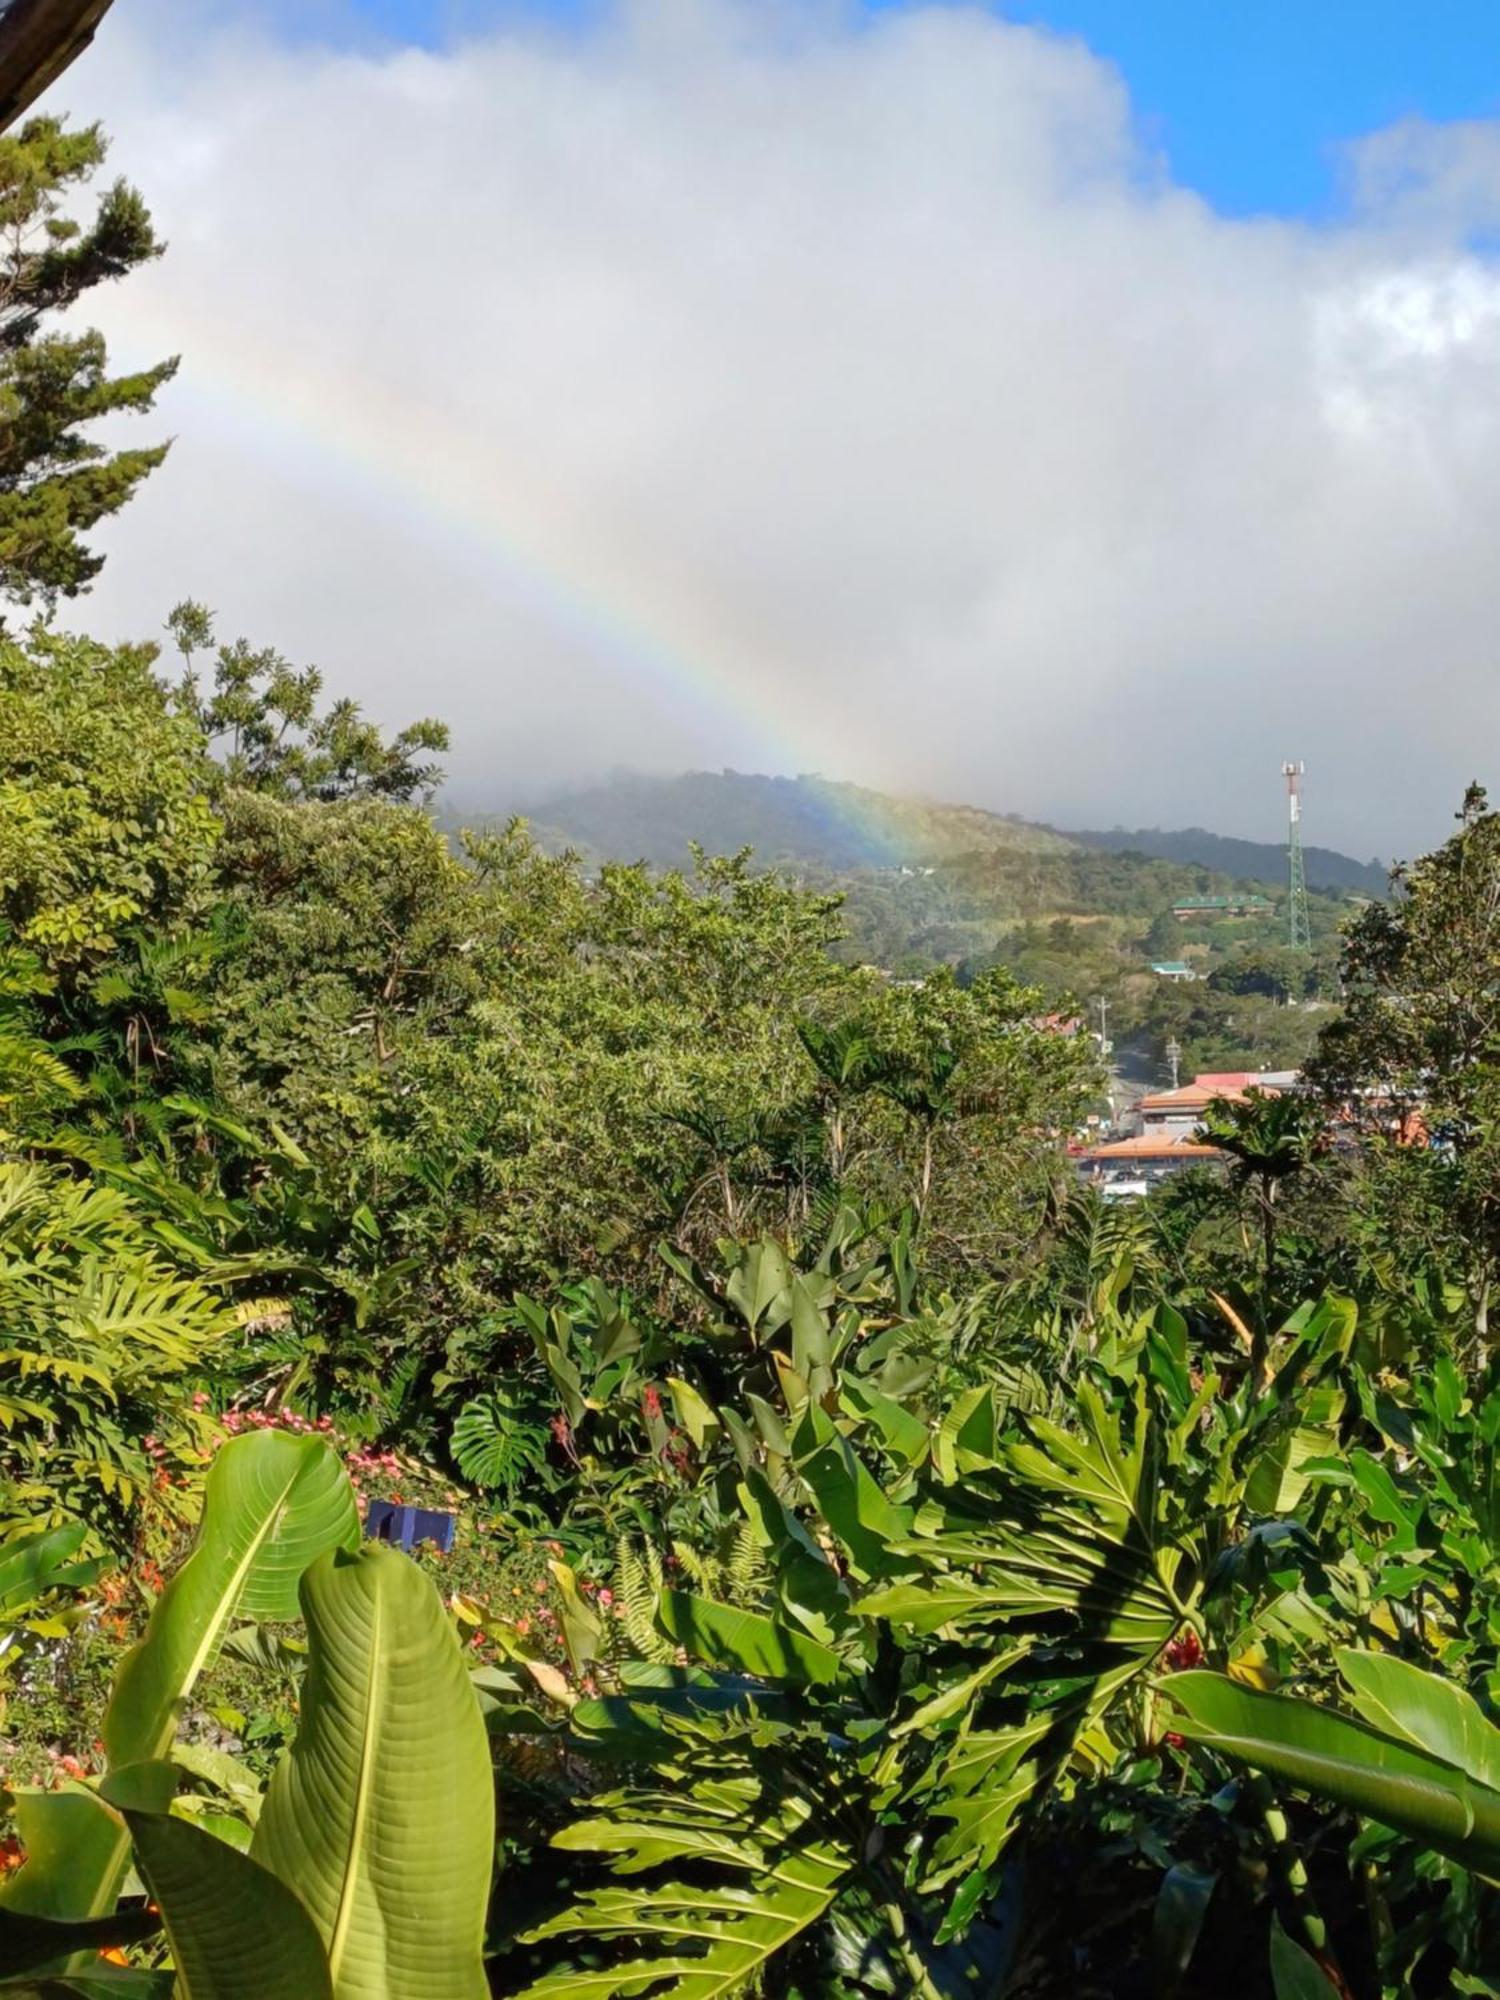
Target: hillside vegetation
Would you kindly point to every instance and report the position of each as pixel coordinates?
(1326, 868)
(923, 885)
(819, 822)
(808, 820)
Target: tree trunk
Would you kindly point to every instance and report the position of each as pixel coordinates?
(1261, 1343)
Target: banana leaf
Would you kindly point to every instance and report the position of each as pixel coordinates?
(381, 1816)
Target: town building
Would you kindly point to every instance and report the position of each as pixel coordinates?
(1195, 909)
(1181, 1110)
(1170, 1137)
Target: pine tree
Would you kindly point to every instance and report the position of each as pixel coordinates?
(56, 482)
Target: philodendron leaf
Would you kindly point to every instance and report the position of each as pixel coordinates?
(728, 1637)
(272, 1503)
(381, 1816)
(236, 1931)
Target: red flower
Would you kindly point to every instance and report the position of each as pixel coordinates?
(1184, 1652)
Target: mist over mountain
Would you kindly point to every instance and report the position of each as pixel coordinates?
(806, 820)
(820, 823)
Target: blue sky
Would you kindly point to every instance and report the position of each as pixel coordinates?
(1248, 99)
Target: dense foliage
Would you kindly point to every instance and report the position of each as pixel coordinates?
(844, 1494)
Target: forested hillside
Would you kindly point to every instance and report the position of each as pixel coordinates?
(819, 823)
(805, 821)
(1326, 868)
(926, 886)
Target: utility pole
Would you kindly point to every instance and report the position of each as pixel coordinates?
(1174, 1057)
(1298, 924)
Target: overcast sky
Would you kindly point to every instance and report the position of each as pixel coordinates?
(806, 390)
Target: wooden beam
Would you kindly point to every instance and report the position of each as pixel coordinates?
(38, 40)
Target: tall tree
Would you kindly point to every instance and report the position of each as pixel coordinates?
(57, 481)
(1416, 1053)
(1269, 1137)
(105, 822)
(263, 722)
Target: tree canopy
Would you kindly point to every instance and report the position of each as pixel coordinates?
(57, 481)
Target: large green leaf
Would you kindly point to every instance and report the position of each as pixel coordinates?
(381, 1816)
(728, 1637)
(33, 1564)
(1295, 1973)
(760, 1879)
(1424, 1709)
(236, 1932)
(27, 1942)
(272, 1503)
(1177, 1923)
(71, 1839)
(865, 1521)
(1383, 1777)
(810, 1589)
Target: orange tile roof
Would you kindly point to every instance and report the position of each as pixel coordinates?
(1152, 1146)
(1230, 1083)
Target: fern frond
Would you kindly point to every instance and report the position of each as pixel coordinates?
(749, 1577)
(638, 1588)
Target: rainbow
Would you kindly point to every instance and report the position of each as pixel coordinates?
(667, 635)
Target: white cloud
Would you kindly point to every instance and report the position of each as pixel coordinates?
(762, 385)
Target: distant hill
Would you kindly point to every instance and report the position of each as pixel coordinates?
(925, 883)
(818, 823)
(812, 822)
(1261, 860)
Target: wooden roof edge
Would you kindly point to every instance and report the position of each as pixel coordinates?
(38, 41)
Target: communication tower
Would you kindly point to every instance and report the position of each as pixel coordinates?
(1298, 926)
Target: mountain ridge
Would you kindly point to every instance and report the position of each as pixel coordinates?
(826, 823)
(1263, 860)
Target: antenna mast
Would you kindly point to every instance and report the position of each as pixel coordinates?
(1298, 924)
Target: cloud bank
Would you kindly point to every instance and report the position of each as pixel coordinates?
(804, 390)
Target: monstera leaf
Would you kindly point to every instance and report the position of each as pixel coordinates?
(381, 1816)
